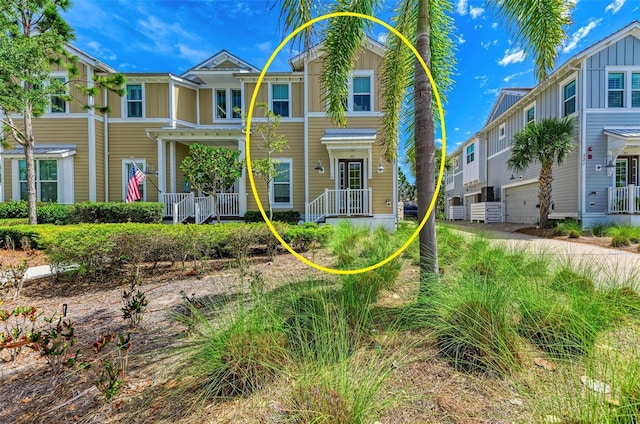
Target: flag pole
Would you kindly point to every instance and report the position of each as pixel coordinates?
(152, 183)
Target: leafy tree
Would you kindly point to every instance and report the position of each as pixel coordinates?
(547, 142)
(33, 40)
(426, 23)
(211, 170)
(270, 142)
(406, 189)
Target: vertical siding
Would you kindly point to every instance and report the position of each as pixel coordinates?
(206, 106)
(156, 100)
(625, 52)
(185, 99)
(127, 140)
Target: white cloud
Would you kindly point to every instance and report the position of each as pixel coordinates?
(155, 28)
(487, 44)
(190, 54)
(511, 56)
(461, 7)
(382, 37)
(467, 133)
(461, 39)
(477, 27)
(517, 74)
(100, 51)
(493, 91)
(476, 12)
(579, 35)
(482, 80)
(615, 6)
(264, 47)
(456, 129)
(494, 25)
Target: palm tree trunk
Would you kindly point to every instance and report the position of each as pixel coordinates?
(425, 149)
(546, 178)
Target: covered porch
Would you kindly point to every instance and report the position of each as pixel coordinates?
(623, 197)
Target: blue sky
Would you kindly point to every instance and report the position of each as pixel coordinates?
(172, 36)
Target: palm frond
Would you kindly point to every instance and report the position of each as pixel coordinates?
(540, 25)
(295, 13)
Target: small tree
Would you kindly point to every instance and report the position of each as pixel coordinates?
(33, 38)
(270, 142)
(211, 170)
(549, 141)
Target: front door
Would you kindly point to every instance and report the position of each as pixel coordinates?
(626, 171)
(350, 173)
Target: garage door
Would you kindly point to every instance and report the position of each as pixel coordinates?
(520, 204)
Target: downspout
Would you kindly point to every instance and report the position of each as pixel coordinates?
(105, 133)
(583, 143)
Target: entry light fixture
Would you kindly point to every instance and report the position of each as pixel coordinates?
(380, 167)
(319, 168)
(610, 165)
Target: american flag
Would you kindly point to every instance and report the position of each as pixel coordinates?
(136, 177)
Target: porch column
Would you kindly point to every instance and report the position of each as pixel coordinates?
(242, 182)
(172, 165)
(162, 166)
(631, 195)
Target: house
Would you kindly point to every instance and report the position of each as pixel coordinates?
(599, 181)
(327, 173)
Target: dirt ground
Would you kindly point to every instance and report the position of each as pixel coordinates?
(431, 391)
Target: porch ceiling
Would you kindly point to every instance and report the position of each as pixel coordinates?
(186, 135)
(623, 140)
(345, 143)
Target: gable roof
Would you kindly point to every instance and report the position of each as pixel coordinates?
(507, 98)
(297, 62)
(86, 58)
(223, 61)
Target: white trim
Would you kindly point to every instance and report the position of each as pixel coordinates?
(627, 72)
(242, 182)
(525, 111)
(172, 106)
(172, 166)
(270, 97)
(519, 183)
(162, 166)
(306, 133)
(198, 107)
(561, 85)
(348, 114)
(142, 165)
(64, 181)
(124, 110)
(582, 175)
(227, 89)
(65, 76)
(506, 149)
(91, 123)
(502, 129)
(350, 103)
(288, 205)
(105, 130)
(139, 120)
(458, 173)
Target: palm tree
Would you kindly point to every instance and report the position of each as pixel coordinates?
(547, 142)
(539, 24)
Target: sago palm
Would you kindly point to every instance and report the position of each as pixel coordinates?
(547, 142)
(427, 24)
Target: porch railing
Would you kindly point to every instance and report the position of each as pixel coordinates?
(346, 202)
(203, 208)
(624, 200)
(229, 204)
(169, 199)
(183, 209)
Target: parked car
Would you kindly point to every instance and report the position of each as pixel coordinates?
(410, 210)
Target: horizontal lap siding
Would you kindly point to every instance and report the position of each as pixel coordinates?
(127, 140)
(262, 97)
(68, 131)
(77, 105)
(182, 151)
(294, 133)
(115, 105)
(206, 107)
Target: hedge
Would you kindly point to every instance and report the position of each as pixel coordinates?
(289, 217)
(89, 212)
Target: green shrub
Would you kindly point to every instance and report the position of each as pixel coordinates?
(566, 279)
(117, 212)
(303, 237)
(289, 217)
(599, 229)
(54, 213)
(569, 227)
(620, 240)
(14, 209)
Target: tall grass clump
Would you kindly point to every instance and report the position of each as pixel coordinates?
(473, 327)
(345, 243)
(569, 227)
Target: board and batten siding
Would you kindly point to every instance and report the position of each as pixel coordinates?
(625, 52)
(294, 133)
(185, 104)
(156, 98)
(129, 140)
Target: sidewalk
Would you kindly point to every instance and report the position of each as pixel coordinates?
(614, 267)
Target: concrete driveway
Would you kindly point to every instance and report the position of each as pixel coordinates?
(613, 267)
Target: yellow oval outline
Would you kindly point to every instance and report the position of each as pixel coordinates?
(248, 147)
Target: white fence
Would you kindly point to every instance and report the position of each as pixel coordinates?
(346, 202)
(624, 200)
(181, 206)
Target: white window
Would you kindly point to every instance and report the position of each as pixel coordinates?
(569, 98)
(126, 170)
(530, 113)
(281, 186)
(280, 99)
(361, 94)
(224, 108)
(46, 179)
(456, 162)
(501, 131)
(623, 87)
(470, 152)
(58, 101)
(134, 101)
